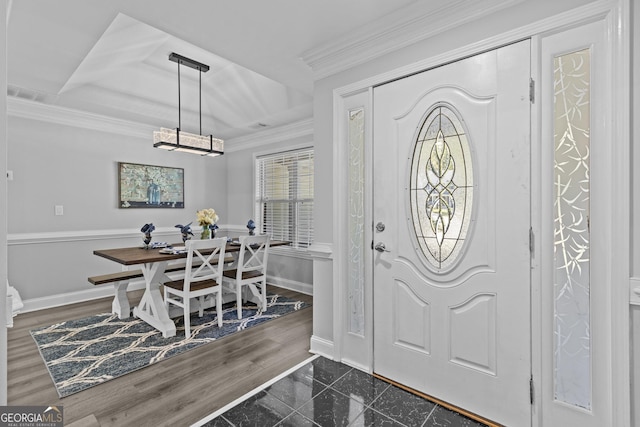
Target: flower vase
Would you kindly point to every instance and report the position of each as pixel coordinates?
(206, 233)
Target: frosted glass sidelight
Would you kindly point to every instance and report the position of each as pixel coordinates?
(441, 186)
(572, 340)
(356, 221)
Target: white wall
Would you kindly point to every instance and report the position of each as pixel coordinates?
(635, 120)
(635, 217)
(3, 206)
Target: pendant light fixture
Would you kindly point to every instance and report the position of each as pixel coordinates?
(176, 139)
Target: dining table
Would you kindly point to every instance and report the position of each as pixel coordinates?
(153, 263)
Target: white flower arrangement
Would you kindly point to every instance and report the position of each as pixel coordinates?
(207, 217)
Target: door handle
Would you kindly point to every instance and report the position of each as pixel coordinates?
(380, 247)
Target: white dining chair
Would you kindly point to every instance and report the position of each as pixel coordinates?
(202, 278)
(250, 272)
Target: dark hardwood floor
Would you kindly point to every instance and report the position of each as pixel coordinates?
(175, 392)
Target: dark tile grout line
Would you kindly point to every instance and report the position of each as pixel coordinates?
(366, 407)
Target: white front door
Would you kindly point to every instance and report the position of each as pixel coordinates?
(452, 201)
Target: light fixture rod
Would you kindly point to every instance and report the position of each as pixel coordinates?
(188, 62)
(179, 104)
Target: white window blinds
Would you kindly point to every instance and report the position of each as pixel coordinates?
(284, 196)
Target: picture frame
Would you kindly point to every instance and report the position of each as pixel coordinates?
(150, 186)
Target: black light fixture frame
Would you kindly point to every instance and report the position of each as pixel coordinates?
(202, 68)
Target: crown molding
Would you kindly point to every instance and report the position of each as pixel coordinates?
(268, 136)
(33, 110)
(402, 28)
(23, 108)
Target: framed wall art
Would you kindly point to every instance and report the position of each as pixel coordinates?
(148, 186)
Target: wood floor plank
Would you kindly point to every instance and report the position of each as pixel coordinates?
(178, 391)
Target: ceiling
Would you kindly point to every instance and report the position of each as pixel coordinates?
(111, 57)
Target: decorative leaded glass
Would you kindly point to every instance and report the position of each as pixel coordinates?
(441, 190)
(572, 340)
(356, 221)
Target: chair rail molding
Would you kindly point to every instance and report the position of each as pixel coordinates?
(83, 235)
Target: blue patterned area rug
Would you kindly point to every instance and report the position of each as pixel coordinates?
(85, 352)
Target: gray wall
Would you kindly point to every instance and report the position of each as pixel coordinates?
(77, 168)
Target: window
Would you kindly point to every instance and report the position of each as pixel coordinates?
(284, 196)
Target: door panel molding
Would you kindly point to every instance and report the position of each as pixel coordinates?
(477, 314)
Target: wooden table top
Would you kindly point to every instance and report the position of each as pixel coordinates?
(139, 255)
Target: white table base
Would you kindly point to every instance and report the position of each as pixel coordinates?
(152, 309)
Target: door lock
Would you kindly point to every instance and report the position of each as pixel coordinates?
(380, 247)
(380, 227)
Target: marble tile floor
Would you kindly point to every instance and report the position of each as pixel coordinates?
(325, 393)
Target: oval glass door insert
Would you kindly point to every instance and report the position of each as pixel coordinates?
(441, 186)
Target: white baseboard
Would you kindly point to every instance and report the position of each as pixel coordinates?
(104, 291)
(58, 300)
(322, 347)
(303, 288)
(356, 365)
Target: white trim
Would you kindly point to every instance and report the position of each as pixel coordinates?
(321, 250)
(58, 300)
(634, 291)
(399, 29)
(536, 227)
(84, 235)
(620, 130)
(297, 147)
(18, 107)
(276, 250)
(253, 392)
(294, 285)
(33, 110)
(322, 347)
(357, 365)
(270, 136)
(349, 346)
(590, 12)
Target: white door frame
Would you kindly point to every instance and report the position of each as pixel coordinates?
(616, 15)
